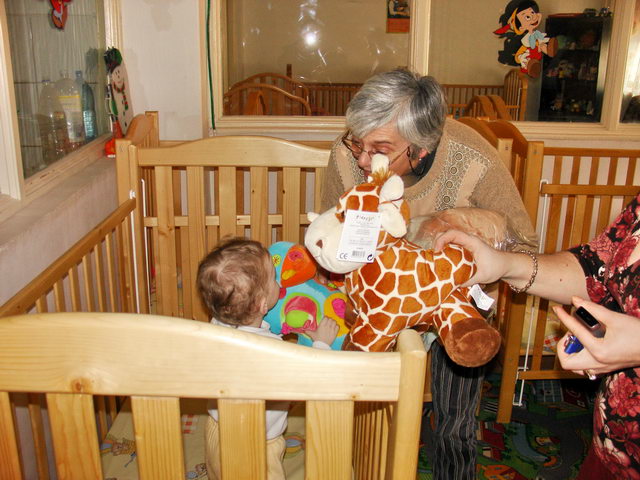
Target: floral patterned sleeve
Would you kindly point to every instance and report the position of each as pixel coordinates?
(610, 280)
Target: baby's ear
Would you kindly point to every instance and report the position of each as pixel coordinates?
(262, 306)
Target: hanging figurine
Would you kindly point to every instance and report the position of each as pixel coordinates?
(59, 12)
(118, 97)
(524, 44)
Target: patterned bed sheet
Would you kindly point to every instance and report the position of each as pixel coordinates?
(118, 451)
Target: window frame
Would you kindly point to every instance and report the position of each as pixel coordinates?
(324, 128)
(15, 190)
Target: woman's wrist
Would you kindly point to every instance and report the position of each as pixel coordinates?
(522, 270)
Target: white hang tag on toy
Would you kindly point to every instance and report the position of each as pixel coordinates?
(359, 237)
(483, 301)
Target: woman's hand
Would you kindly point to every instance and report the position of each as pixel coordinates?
(491, 263)
(618, 349)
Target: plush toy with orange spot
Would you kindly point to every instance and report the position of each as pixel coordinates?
(403, 285)
(304, 301)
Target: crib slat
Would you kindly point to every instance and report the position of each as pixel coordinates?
(167, 274)
(242, 435)
(41, 304)
(111, 274)
(227, 195)
(99, 261)
(326, 422)
(37, 430)
(10, 464)
(158, 437)
(73, 429)
(74, 288)
(195, 199)
(58, 295)
(291, 205)
(260, 206)
(88, 283)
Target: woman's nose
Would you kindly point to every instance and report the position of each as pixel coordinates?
(364, 161)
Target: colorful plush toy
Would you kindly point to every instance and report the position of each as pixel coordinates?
(303, 300)
(404, 286)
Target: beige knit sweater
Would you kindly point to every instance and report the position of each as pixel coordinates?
(466, 172)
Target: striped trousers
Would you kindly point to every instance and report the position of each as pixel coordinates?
(456, 392)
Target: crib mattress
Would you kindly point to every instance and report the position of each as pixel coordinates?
(118, 451)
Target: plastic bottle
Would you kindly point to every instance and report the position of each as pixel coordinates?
(52, 124)
(88, 107)
(69, 96)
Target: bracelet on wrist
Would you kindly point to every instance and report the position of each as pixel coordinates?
(534, 272)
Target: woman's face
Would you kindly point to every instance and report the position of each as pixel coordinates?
(529, 20)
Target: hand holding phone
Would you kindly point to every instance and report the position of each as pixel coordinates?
(573, 345)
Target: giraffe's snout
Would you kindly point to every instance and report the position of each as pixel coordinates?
(319, 244)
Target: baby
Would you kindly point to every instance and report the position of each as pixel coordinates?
(237, 282)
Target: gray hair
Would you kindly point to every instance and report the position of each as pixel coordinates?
(417, 105)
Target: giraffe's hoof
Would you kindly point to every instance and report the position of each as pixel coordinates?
(472, 342)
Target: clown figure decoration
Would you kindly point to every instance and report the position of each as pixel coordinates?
(524, 44)
(120, 102)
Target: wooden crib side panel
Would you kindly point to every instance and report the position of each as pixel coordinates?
(572, 194)
(258, 187)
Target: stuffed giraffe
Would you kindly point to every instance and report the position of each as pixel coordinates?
(404, 286)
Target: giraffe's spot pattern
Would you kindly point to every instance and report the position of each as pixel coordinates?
(462, 274)
(372, 298)
(442, 268)
(406, 284)
(410, 305)
(393, 307)
(387, 283)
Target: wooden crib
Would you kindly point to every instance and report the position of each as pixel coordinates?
(193, 193)
(72, 357)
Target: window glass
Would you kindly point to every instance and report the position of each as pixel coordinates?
(630, 111)
(319, 51)
(59, 77)
(478, 50)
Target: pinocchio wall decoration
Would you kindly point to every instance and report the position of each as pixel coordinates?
(524, 44)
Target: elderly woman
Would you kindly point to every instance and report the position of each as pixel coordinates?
(443, 164)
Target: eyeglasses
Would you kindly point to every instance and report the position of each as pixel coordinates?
(356, 149)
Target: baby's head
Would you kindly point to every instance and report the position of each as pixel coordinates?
(237, 281)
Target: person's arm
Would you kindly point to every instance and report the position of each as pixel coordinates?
(618, 349)
(559, 277)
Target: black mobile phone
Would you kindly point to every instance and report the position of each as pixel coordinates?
(589, 321)
(573, 345)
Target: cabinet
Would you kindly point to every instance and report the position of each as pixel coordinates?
(572, 82)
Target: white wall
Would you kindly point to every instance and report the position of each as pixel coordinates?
(161, 50)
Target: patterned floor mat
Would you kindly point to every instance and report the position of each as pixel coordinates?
(546, 439)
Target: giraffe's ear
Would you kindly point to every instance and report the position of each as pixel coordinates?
(393, 189)
(379, 162)
(392, 220)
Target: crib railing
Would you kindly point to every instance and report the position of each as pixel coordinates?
(95, 275)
